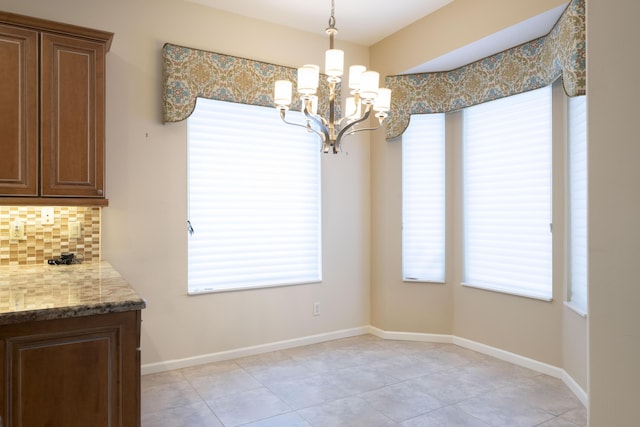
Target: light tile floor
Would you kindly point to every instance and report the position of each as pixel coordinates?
(362, 381)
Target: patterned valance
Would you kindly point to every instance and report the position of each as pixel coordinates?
(532, 65)
(192, 73)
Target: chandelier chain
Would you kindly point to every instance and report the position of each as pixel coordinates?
(332, 18)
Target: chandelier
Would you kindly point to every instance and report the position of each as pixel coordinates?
(366, 96)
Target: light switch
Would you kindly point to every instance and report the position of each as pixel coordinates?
(75, 230)
(17, 230)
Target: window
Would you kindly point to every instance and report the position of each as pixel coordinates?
(254, 199)
(423, 199)
(506, 163)
(577, 164)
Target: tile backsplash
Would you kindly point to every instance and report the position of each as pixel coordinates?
(43, 241)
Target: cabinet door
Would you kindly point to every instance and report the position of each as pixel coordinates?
(18, 111)
(74, 372)
(51, 375)
(72, 113)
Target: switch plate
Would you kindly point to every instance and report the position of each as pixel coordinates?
(46, 215)
(75, 230)
(316, 309)
(17, 230)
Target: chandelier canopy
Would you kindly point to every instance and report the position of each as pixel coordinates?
(366, 96)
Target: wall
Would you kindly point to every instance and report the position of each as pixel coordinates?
(613, 339)
(523, 326)
(144, 227)
(614, 209)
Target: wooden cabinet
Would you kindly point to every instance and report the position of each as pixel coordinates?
(73, 372)
(18, 111)
(52, 112)
(72, 116)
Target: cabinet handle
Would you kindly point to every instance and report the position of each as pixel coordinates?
(99, 192)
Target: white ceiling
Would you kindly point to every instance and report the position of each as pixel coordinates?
(369, 21)
(515, 35)
(359, 21)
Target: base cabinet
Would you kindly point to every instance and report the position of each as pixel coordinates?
(82, 371)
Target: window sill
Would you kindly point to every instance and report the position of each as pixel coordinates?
(506, 291)
(434, 282)
(570, 305)
(205, 291)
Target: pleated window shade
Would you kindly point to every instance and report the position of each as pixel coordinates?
(423, 199)
(254, 199)
(507, 245)
(578, 203)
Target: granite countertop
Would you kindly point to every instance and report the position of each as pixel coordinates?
(45, 292)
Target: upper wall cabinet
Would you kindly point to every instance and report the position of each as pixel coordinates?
(18, 111)
(52, 112)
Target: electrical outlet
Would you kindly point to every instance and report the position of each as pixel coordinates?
(46, 215)
(316, 309)
(75, 230)
(17, 230)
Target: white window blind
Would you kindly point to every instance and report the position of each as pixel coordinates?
(423, 199)
(578, 203)
(507, 195)
(254, 199)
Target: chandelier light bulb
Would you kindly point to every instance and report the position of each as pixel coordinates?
(334, 63)
(308, 78)
(282, 93)
(352, 110)
(383, 100)
(355, 76)
(369, 84)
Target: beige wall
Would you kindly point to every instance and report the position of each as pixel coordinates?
(144, 228)
(612, 334)
(521, 325)
(614, 212)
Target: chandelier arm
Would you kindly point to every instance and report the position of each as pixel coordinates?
(307, 126)
(380, 120)
(347, 130)
(323, 132)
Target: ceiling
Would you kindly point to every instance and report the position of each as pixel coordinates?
(359, 21)
(366, 22)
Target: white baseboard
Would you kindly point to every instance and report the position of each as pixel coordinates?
(510, 357)
(410, 336)
(526, 362)
(516, 359)
(575, 388)
(152, 368)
